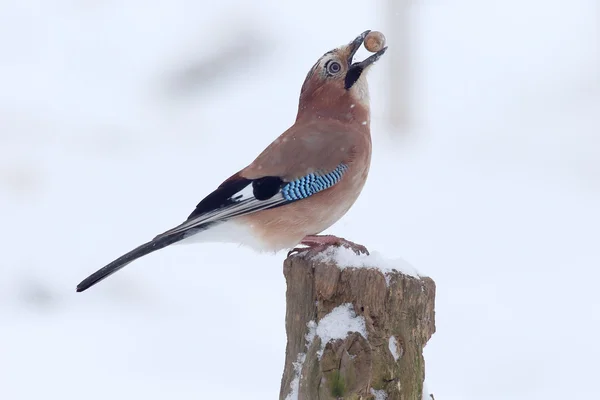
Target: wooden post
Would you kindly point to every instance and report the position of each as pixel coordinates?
(354, 332)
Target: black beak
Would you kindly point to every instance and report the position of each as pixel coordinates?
(357, 68)
(354, 45)
(369, 60)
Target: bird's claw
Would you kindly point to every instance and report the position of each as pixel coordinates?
(355, 247)
(308, 251)
(317, 244)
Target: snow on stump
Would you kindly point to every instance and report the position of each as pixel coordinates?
(356, 327)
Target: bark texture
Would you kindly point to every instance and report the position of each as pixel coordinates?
(398, 311)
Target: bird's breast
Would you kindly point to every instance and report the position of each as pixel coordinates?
(284, 227)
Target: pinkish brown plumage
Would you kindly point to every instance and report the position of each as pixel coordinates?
(301, 184)
(305, 148)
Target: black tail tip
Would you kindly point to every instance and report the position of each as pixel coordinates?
(83, 286)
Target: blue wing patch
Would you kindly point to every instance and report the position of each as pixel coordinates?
(310, 184)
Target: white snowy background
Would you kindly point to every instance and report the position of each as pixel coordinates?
(494, 193)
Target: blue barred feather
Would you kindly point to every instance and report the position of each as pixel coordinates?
(310, 184)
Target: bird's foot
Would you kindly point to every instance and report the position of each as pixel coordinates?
(318, 243)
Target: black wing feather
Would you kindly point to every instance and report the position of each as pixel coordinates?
(227, 193)
(221, 197)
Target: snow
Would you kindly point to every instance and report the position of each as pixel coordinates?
(312, 332)
(344, 257)
(338, 323)
(299, 363)
(341, 321)
(295, 384)
(379, 394)
(393, 346)
(494, 193)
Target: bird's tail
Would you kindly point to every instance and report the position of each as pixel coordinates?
(155, 244)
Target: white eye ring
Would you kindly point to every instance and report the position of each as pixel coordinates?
(333, 67)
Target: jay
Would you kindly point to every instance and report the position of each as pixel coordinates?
(301, 184)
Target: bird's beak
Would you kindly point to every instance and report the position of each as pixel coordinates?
(357, 68)
(353, 47)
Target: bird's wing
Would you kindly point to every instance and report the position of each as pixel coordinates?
(292, 168)
(289, 170)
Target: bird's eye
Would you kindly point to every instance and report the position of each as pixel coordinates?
(333, 67)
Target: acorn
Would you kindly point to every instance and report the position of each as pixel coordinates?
(374, 41)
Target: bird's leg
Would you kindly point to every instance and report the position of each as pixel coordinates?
(332, 240)
(318, 243)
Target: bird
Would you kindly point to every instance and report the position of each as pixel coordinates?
(300, 184)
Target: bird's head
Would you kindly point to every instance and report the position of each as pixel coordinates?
(336, 86)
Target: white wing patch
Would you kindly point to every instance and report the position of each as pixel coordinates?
(244, 202)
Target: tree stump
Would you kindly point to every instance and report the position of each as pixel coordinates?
(356, 327)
